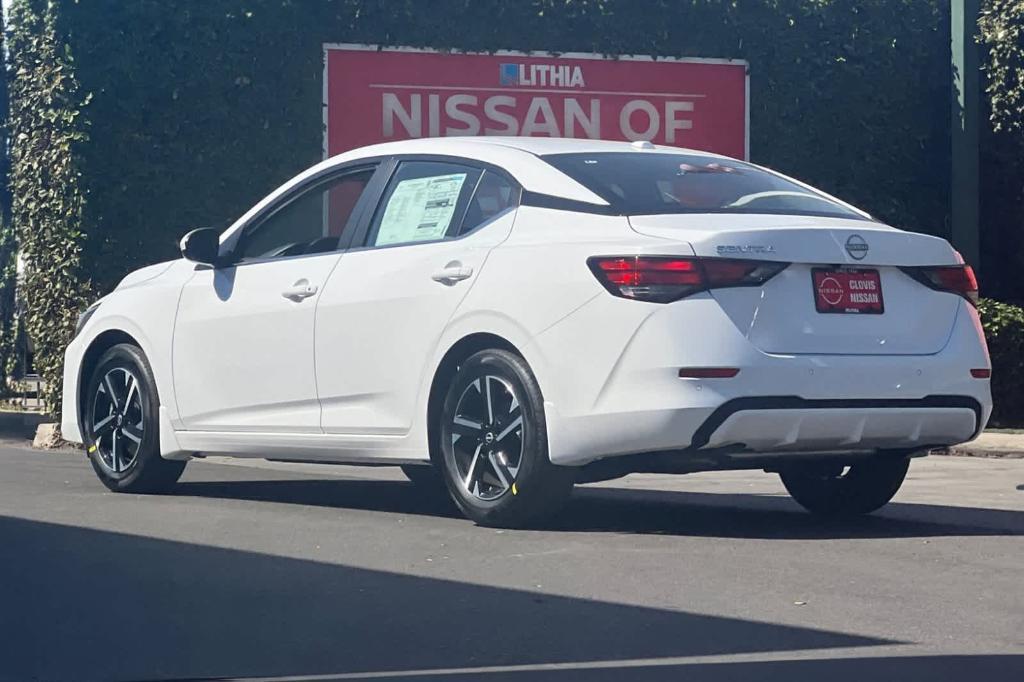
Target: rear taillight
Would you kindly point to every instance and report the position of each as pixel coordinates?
(661, 279)
(955, 279)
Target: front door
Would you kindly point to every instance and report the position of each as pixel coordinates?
(243, 337)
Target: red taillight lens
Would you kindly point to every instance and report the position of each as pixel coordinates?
(661, 279)
(956, 279)
(637, 271)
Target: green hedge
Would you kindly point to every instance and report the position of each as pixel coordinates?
(1004, 330)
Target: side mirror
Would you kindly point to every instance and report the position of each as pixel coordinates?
(201, 246)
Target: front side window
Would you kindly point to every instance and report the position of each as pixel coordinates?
(425, 201)
(312, 222)
(653, 183)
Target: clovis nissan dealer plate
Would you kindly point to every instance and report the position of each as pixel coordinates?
(379, 94)
(845, 290)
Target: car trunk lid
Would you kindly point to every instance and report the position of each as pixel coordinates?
(782, 316)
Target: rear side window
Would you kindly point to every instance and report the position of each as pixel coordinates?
(493, 196)
(424, 201)
(653, 183)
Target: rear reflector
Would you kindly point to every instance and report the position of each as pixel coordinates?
(662, 279)
(981, 373)
(708, 372)
(954, 279)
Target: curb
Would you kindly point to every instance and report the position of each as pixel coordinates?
(988, 453)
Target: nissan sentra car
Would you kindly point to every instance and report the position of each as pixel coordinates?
(507, 317)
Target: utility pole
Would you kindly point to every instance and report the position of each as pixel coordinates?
(966, 104)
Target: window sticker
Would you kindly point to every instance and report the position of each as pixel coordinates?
(420, 209)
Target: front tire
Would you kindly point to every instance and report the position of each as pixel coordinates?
(494, 444)
(122, 428)
(834, 490)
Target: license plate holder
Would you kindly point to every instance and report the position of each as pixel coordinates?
(856, 291)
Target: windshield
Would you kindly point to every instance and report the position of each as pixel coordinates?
(645, 183)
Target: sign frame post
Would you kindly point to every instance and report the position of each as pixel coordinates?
(965, 102)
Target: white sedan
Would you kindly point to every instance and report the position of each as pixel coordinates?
(515, 315)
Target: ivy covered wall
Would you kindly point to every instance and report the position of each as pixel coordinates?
(46, 132)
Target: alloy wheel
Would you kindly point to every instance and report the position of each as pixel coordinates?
(118, 419)
(487, 437)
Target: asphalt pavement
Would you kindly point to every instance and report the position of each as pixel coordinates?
(255, 570)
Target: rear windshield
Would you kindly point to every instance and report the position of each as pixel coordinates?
(651, 183)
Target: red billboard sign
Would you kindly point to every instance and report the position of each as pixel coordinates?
(376, 94)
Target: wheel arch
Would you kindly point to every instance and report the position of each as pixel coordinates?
(103, 342)
(458, 353)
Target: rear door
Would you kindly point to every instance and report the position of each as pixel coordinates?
(384, 308)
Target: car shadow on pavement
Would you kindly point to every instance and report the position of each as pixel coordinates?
(85, 604)
(770, 517)
(620, 510)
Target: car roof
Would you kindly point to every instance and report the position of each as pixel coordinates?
(538, 146)
(519, 156)
(541, 146)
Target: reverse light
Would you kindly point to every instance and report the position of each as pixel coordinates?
(662, 279)
(954, 279)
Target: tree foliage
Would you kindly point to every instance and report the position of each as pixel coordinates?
(45, 130)
(1002, 30)
(1002, 150)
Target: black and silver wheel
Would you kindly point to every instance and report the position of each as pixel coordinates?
(837, 490)
(121, 426)
(494, 443)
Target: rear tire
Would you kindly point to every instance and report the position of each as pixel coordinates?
(121, 429)
(832, 490)
(493, 440)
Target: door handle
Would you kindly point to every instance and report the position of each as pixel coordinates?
(300, 290)
(452, 274)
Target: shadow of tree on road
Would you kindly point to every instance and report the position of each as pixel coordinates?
(85, 604)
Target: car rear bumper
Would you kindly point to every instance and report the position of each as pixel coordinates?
(631, 399)
(784, 424)
(775, 425)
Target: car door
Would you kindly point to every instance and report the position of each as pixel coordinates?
(384, 308)
(243, 337)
